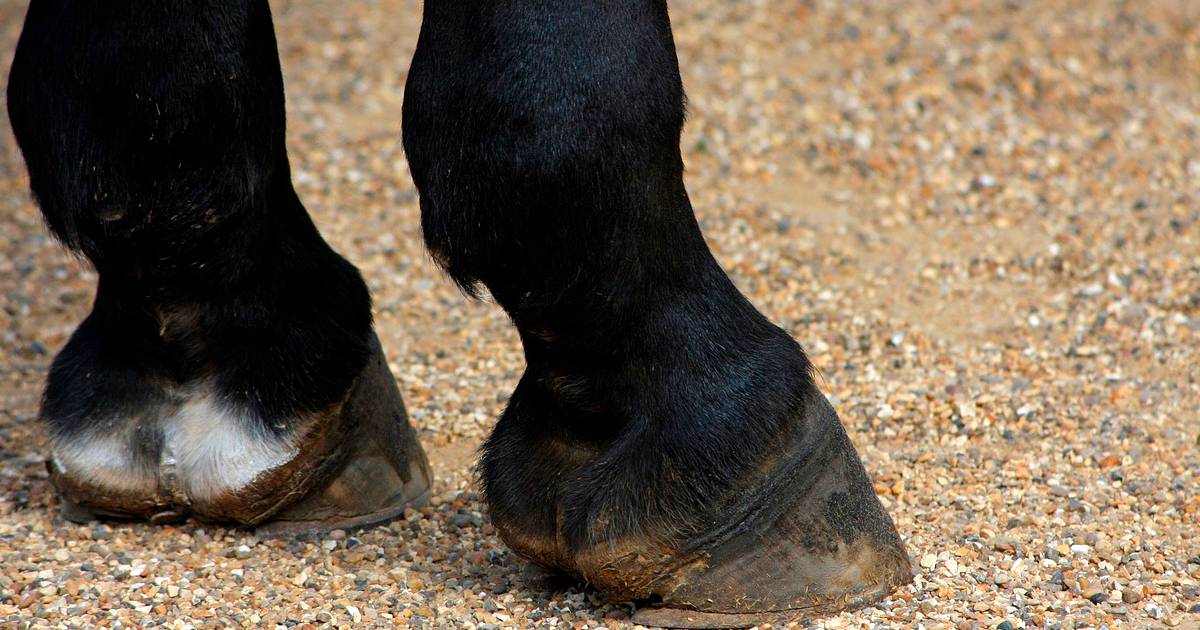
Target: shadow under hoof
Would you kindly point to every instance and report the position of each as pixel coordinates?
(663, 617)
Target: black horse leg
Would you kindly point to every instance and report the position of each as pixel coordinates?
(666, 440)
(229, 367)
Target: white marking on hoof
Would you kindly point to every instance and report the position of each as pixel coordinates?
(102, 460)
(218, 449)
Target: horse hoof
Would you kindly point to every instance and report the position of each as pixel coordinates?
(800, 534)
(357, 465)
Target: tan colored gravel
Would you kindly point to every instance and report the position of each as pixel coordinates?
(981, 217)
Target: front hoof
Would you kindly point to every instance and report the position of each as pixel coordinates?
(355, 465)
(798, 534)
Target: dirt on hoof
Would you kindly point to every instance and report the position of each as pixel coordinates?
(980, 218)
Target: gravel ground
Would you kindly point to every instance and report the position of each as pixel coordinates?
(982, 218)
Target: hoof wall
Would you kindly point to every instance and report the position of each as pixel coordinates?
(800, 536)
(348, 504)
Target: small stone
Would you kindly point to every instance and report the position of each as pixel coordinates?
(1004, 543)
(300, 579)
(952, 566)
(1080, 550)
(928, 561)
(1004, 625)
(243, 552)
(459, 521)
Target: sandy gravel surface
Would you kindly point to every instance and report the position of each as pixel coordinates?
(981, 217)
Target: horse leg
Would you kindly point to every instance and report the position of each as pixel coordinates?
(229, 367)
(666, 440)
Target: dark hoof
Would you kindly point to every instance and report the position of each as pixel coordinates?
(800, 536)
(353, 466)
